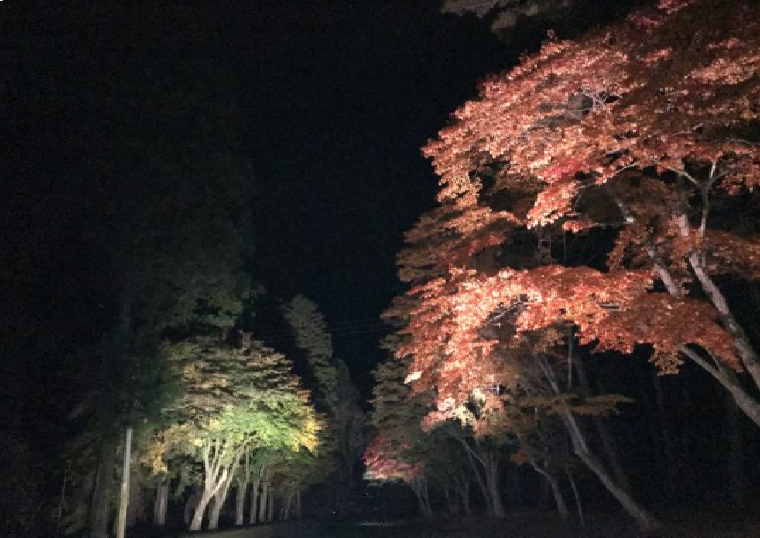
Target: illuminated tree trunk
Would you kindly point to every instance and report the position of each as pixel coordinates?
(608, 442)
(486, 475)
(254, 504)
(102, 493)
(556, 491)
(216, 475)
(136, 508)
(270, 507)
(264, 503)
(162, 502)
(213, 513)
(578, 504)
(200, 510)
(492, 482)
(124, 494)
(240, 491)
(713, 366)
(645, 521)
(220, 497)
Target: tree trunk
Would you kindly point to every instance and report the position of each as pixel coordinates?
(298, 502)
(240, 491)
(213, 514)
(462, 484)
(136, 508)
(102, 494)
(162, 501)
(646, 522)
(492, 482)
(254, 503)
(471, 457)
(270, 509)
(264, 503)
(608, 442)
(200, 509)
(749, 358)
(555, 489)
(451, 499)
(124, 495)
(578, 504)
(220, 497)
(286, 505)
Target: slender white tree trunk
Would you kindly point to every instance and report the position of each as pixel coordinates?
(492, 481)
(240, 491)
(200, 509)
(270, 509)
(554, 485)
(124, 499)
(162, 502)
(254, 501)
(578, 504)
(749, 357)
(645, 521)
(213, 514)
(264, 501)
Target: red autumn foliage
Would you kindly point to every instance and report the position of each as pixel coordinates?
(637, 127)
(384, 461)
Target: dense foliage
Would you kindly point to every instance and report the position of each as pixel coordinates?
(643, 149)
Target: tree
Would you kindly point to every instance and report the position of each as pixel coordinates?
(399, 449)
(312, 337)
(335, 395)
(236, 398)
(163, 198)
(610, 134)
(615, 132)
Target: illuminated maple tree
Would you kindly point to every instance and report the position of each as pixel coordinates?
(611, 132)
(652, 142)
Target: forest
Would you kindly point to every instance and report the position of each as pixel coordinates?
(566, 342)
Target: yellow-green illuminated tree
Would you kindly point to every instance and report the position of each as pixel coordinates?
(237, 397)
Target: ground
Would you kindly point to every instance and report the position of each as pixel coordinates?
(535, 525)
(702, 522)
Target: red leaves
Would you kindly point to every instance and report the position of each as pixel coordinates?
(617, 131)
(384, 461)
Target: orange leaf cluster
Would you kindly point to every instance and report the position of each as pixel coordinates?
(611, 131)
